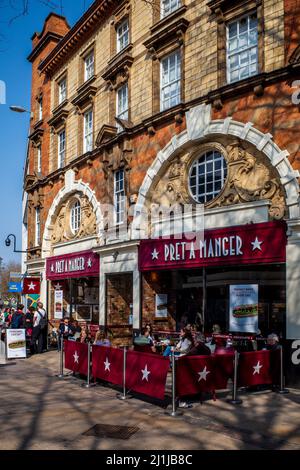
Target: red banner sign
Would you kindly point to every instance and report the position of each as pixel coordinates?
(31, 285)
(245, 244)
(81, 264)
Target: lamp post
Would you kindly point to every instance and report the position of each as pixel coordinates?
(8, 243)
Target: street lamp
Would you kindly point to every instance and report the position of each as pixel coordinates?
(8, 243)
(20, 109)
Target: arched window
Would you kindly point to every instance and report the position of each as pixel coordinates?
(207, 176)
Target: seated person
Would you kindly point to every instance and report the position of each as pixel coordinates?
(76, 330)
(273, 342)
(184, 344)
(144, 339)
(199, 348)
(101, 339)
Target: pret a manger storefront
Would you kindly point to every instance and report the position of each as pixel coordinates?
(74, 286)
(189, 280)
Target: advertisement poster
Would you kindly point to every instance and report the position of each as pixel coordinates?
(161, 305)
(15, 344)
(58, 304)
(243, 310)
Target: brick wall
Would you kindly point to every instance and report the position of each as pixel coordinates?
(119, 298)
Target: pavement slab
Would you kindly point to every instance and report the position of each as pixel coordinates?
(42, 412)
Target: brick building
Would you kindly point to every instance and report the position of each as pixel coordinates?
(170, 103)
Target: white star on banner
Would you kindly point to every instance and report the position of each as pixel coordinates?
(107, 365)
(155, 254)
(89, 263)
(31, 286)
(57, 286)
(145, 373)
(203, 374)
(257, 368)
(256, 244)
(76, 357)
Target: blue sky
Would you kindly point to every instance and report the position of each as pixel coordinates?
(15, 71)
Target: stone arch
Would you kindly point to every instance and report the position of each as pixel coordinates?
(71, 187)
(200, 126)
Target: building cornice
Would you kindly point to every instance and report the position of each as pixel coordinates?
(50, 36)
(71, 41)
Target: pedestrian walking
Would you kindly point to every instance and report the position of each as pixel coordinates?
(39, 327)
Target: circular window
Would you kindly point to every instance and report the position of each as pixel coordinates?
(207, 176)
(75, 218)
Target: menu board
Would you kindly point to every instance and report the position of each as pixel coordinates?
(161, 305)
(15, 343)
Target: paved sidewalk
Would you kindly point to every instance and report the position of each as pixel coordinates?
(39, 411)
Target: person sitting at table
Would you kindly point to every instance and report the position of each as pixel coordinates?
(76, 328)
(144, 339)
(148, 326)
(273, 342)
(184, 344)
(101, 339)
(199, 348)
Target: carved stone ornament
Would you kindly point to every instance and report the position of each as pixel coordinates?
(61, 228)
(250, 177)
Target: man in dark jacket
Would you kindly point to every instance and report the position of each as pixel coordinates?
(199, 348)
(18, 319)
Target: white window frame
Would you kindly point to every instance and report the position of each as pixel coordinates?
(119, 196)
(62, 90)
(122, 104)
(75, 217)
(39, 158)
(89, 66)
(168, 6)
(37, 226)
(40, 108)
(123, 35)
(171, 83)
(62, 148)
(203, 162)
(239, 51)
(88, 131)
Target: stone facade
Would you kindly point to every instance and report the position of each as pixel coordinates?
(253, 121)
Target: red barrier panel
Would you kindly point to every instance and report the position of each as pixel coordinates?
(194, 374)
(107, 364)
(254, 368)
(147, 373)
(76, 356)
(224, 369)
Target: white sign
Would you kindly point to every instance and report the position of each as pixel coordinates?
(15, 343)
(243, 311)
(58, 304)
(161, 302)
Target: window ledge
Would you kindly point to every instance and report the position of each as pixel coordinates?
(59, 118)
(166, 20)
(85, 93)
(172, 34)
(119, 65)
(38, 124)
(60, 106)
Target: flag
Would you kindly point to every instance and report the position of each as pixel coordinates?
(31, 285)
(147, 373)
(223, 370)
(76, 356)
(254, 368)
(107, 364)
(194, 374)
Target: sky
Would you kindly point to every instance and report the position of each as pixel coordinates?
(16, 30)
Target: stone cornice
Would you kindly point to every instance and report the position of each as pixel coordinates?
(42, 44)
(88, 22)
(170, 33)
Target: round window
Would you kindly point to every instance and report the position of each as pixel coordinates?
(207, 176)
(75, 218)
